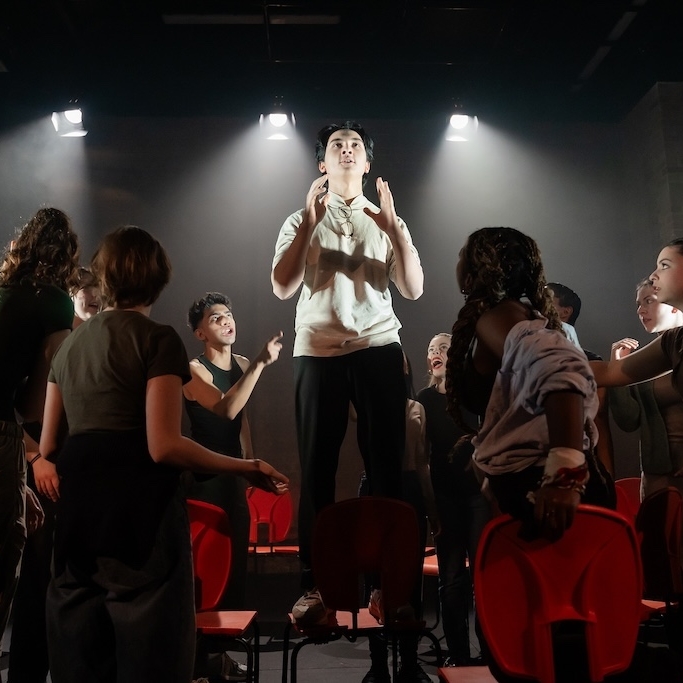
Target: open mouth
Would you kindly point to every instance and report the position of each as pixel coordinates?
(437, 363)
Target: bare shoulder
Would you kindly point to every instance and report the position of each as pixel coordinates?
(494, 324)
(508, 312)
(199, 371)
(242, 361)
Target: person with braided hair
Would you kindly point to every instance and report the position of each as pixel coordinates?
(510, 363)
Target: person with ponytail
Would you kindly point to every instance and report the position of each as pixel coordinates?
(510, 363)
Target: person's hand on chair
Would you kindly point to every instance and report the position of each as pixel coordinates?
(266, 477)
(554, 509)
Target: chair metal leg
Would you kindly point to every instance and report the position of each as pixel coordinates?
(285, 652)
(295, 653)
(394, 656)
(427, 633)
(257, 652)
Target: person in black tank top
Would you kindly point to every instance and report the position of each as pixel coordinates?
(212, 430)
(221, 385)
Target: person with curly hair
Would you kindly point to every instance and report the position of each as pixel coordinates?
(35, 317)
(510, 363)
(28, 646)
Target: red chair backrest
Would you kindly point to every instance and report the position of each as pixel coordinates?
(271, 509)
(366, 535)
(592, 574)
(659, 525)
(211, 552)
(628, 496)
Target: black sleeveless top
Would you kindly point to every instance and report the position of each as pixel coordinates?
(214, 432)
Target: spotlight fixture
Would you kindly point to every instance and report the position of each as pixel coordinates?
(279, 124)
(462, 126)
(69, 123)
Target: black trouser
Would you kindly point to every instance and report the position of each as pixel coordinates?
(372, 379)
(122, 624)
(28, 662)
(463, 518)
(12, 513)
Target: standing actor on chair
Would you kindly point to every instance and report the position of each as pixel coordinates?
(342, 251)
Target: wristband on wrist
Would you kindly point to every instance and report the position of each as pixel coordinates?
(566, 468)
(574, 478)
(34, 458)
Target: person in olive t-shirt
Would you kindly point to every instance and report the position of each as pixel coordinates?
(122, 594)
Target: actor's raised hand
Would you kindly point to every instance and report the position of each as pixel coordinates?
(623, 347)
(271, 351)
(316, 202)
(386, 219)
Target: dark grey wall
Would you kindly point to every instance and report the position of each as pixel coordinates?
(216, 195)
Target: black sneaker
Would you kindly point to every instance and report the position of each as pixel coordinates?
(232, 670)
(412, 674)
(377, 674)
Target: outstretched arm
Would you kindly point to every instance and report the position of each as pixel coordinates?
(647, 363)
(202, 389)
(163, 406)
(409, 275)
(288, 274)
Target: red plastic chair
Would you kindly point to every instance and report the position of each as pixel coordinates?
(353, 538)
(465, 674)
(628, 496)
(211, 557)
(275, 512)
(591, 575)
